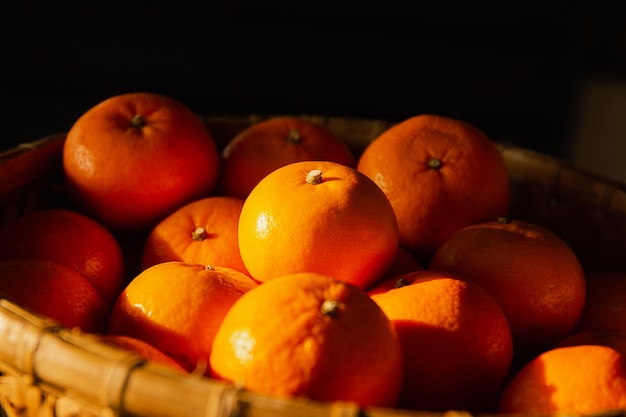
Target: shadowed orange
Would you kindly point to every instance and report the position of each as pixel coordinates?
(134, 158)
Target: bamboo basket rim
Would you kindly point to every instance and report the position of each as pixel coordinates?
(59, 371)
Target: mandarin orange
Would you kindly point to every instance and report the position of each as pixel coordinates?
(53, 290)
(310, 335)
(177, 307)
(273, 143)
(535, 277)
(439, 174)
(201, 232)
(574, 380)
(134, 158)
(69, 238)
(456, 341)
(318, 216)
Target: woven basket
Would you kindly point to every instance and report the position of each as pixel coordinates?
(49, 370)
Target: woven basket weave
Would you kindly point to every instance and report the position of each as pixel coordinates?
(49, 370)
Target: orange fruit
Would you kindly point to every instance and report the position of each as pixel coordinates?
(318, 216)
(143, 349)
(575, 380)
(456, 341)
(177, 307)
(532, 273)
(201, 232)
(613, 339)
(605, 303)
(309, 335)
(134, 158)
(439, 174)
(271, 144)
(71, 239)
(55, 291)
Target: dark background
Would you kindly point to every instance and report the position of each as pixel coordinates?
(515, 69)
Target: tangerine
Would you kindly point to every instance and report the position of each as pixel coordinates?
(177, 307)
(69, 238)
(318, 216)
(55, 291)
(439, 174)
(535, 277)
(273, 143)
(134, 158)
(201, 232)
(456, 340)
(577, 380)
(309, 335)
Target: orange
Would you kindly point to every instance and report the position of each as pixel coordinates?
(456, 341)
(134, 158)
(310, 335)
(531, 272)
(605, 304)
(143, 349)
(319, 217)
(440, 174)
(55, 291)
(71, 239)
(273, 143)
(201, 232)
(576, 380)
(177, 307)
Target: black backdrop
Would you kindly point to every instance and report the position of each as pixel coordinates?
(513, 70)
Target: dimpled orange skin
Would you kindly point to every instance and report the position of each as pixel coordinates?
(177, 238)
(343, 227)
(276, 340)
(272, 143)
(177, 308)
(130, 177)
(469, 183)
(576, 380)
(457, 343)
(534, 276)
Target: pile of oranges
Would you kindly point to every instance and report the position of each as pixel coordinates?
(291, 266)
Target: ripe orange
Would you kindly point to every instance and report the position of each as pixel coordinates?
(273, 143)
(71, 239)
(134, 158)
(576, 380)
(177, 307)
(440, 174)
(143, 349)
(201, 232)
(310, 335)
(532, 273)
(605, 304)
(319, 217)
(456, 341)
(55, 291)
